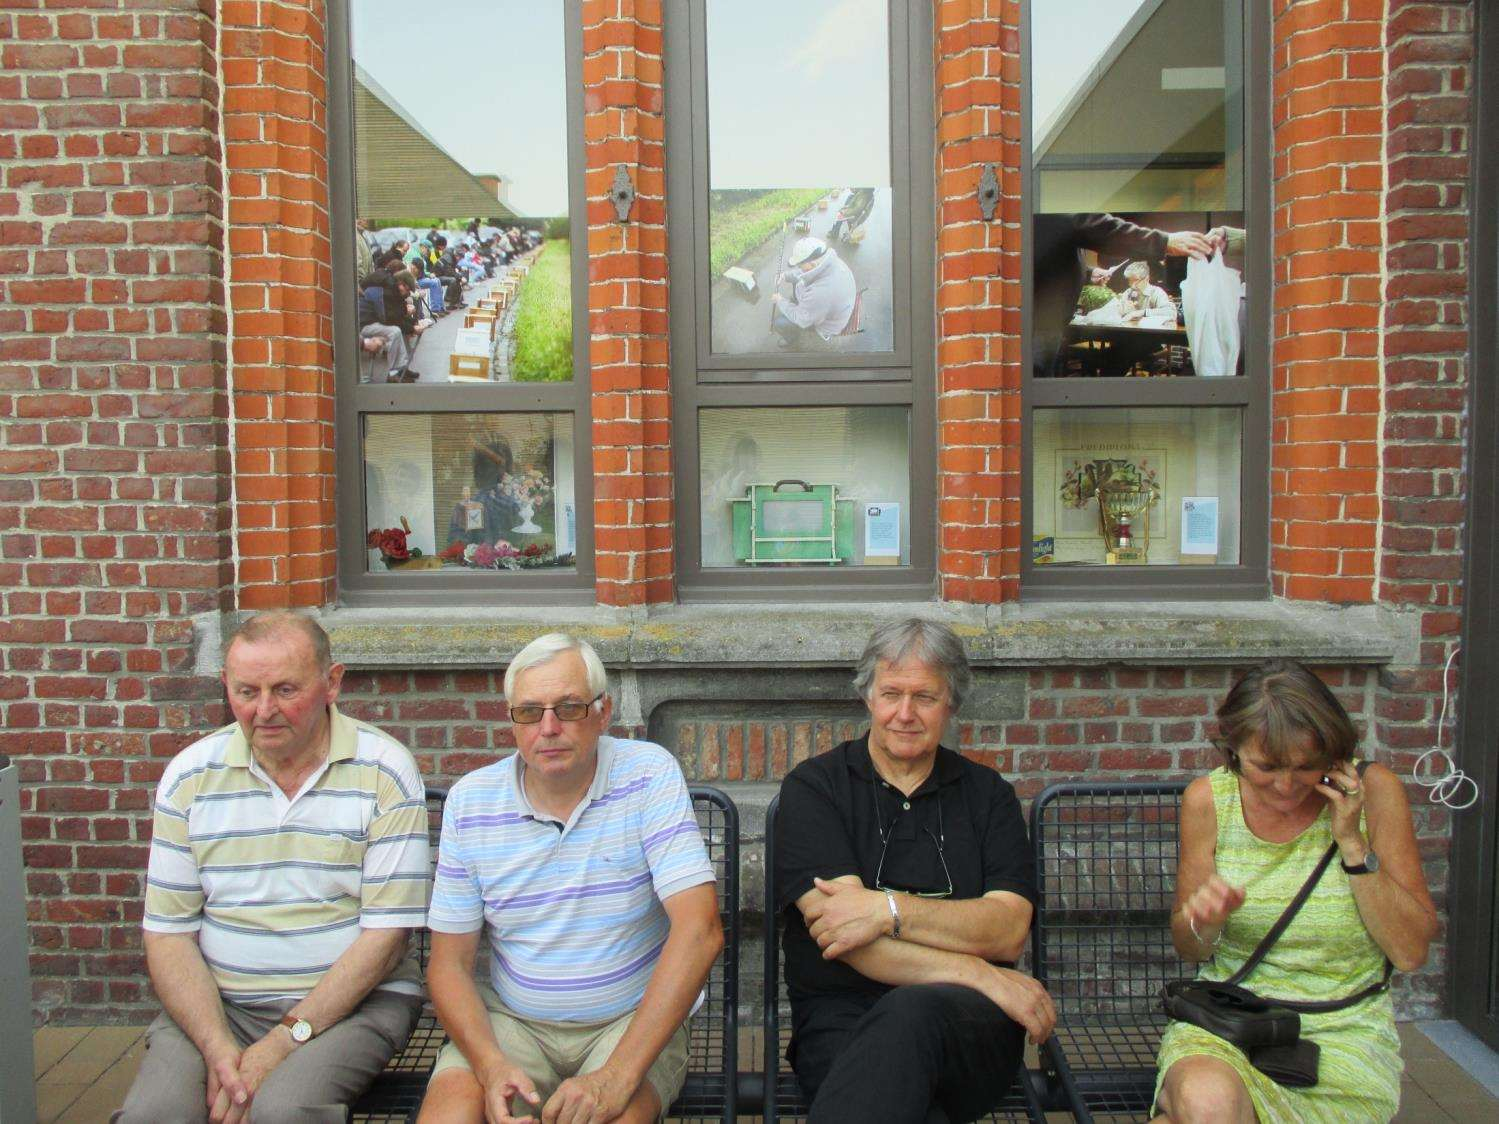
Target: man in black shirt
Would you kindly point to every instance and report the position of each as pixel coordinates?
(908, 887)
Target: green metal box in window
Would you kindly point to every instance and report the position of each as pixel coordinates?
(792, 521)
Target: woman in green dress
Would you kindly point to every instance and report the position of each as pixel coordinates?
(1251, 833)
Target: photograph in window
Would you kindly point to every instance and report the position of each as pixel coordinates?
(1138, 232)
(800, 200)
(462, 263)
(469, 492)
(812, 486)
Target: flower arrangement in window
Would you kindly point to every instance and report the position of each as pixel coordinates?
(529, 488)
(503, 555)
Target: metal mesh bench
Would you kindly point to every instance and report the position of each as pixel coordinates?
(713, 1052)
(783, 1096)
(1101, 943)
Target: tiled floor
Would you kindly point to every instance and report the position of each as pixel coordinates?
(82, 1074)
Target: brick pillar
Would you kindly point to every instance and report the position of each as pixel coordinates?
(1429, 59)
(1328, 69)
(1425, 311)
(978, 301)
(113, 503)
(633, 506)
(281, 296)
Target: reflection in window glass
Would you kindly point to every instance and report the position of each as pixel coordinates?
(1145, 486)
(462, 267)
(812, 486)
(1138, 197)
(799, 200)
(469, 491)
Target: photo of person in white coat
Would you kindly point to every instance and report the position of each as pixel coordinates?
(823, 296)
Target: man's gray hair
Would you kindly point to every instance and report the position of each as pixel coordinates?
(546, 648)
(930, 642)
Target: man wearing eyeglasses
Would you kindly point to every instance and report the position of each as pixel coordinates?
(907, 885)
(581, 860)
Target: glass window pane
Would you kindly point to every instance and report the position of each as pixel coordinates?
(461, 177)
(1137, 130)
(1147, 486)
(811, 486)
(469, 491)
(799, 176)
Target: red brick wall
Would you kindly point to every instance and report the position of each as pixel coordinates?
(633, 506)
(1328, 68)
(1425, 311)
(280, 295)
(113, 493)
(978, 301)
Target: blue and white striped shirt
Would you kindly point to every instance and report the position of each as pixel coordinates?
(573, 910)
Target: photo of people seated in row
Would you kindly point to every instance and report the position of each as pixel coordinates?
(1138, 295)
(462, 266)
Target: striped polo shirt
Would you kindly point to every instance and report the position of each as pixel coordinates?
(573, 909)
(275, 887)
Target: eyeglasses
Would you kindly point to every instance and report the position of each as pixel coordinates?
(528, 714)
(885, 835)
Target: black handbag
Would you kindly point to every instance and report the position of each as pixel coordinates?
(1268, 1030)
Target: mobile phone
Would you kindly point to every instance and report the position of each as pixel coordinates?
(1332, 782)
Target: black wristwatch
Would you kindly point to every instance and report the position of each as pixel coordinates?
(1370, 865)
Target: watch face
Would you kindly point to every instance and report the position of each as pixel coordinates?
(1371, 862)
(301, 1031)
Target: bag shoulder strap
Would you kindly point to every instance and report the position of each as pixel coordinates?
(1269, 939)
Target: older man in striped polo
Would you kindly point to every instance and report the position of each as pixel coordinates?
(580, 856)
(289, 863)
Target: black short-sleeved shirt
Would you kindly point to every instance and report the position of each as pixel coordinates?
(826, 827)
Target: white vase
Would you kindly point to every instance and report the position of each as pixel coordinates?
(525, 526)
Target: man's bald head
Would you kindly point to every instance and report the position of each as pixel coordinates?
(276, 624)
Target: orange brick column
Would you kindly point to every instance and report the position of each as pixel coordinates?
(633, 507)
(1328, 148)
(280, 296)
(978, 301)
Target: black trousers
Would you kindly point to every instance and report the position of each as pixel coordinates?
(919, 1054)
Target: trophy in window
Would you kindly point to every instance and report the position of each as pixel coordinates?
(1124, 516)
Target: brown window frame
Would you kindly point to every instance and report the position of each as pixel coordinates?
(355, 401)
(905, 376)
(1250, 578)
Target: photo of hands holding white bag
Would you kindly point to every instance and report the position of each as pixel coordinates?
(1143, 295)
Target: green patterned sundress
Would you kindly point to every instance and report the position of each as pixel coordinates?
(1325, 953)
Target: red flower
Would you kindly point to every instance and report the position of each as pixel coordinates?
(391, 543)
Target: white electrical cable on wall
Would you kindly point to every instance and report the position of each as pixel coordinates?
(1444, 788)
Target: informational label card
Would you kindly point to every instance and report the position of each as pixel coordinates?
(1199, 525)
(882, 530)
(567, 529)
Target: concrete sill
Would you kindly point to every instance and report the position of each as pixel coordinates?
(832, 635)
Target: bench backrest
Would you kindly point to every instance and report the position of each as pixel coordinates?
(713, 1046)
(1106, 872)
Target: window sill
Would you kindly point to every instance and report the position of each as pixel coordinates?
(832, 635)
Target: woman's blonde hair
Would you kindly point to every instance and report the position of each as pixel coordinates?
(1284, 707)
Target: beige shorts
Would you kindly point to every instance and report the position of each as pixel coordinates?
(550, 1052)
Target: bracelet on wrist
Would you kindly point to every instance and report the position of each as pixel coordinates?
(1200, 939)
